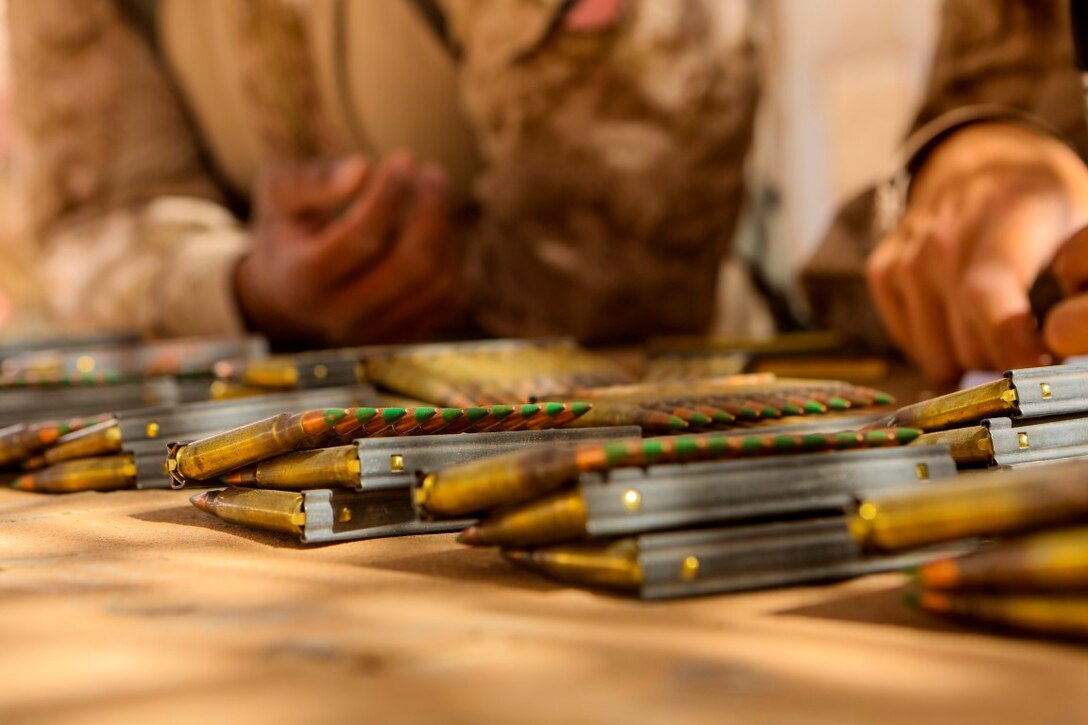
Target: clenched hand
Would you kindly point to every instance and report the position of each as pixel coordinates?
(350, 252)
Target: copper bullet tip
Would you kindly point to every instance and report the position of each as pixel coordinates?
(518, 556)
(200, 500)
(941, 574)
(23, 483)
(470, 537)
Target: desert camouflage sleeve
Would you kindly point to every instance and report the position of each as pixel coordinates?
(1009, 59)
(129, 232)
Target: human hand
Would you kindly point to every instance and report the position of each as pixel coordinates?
(987, 212)
(350, 252)
(1064, 330)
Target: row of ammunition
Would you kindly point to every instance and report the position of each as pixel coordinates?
(715, 512)
(617, 451)
(1032, 572)
(128, 448)
(264, 443)
(365, 493)
(112, 363)
(476, 374)
(292, 489)
(606, 534)
(1036, 582)
(744, 400)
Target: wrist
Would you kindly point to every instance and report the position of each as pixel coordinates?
(255, 308)
(980, 146)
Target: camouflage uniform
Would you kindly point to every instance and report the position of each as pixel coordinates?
(611, 173)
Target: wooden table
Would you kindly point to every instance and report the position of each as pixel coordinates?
(136, 607)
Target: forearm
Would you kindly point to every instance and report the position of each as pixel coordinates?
(161, 269)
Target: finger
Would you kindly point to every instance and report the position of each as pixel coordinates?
(1070, 266)
(1013, 244)
(421, 258)
(950, 236)
(427, 225)
(931, 344)
(363, 233)
(880, 279)
(999, 308)
(967, 346)
(382, 309)
(312, 187)
(1064, 331)
(424, 245)
(433, 306)
(418, 303)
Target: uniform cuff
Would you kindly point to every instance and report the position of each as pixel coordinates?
(196, 293)
(893, 193)
(924, 140)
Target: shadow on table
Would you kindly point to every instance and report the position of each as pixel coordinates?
(884, 607)
(190, 516)
(465, 564)
(460, 563)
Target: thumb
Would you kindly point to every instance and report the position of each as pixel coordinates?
(296, 188)
(1065, 330)
(1070, 266)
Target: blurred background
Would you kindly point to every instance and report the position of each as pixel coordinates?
(841, 80)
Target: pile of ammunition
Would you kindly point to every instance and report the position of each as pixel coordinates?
(698, 477)
(1037, 582)
(52, 400)
(296, 475)
(720, 512)
(336, 474)
(117, 362)
(156, 392)
(127, 449)
(44, 383)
